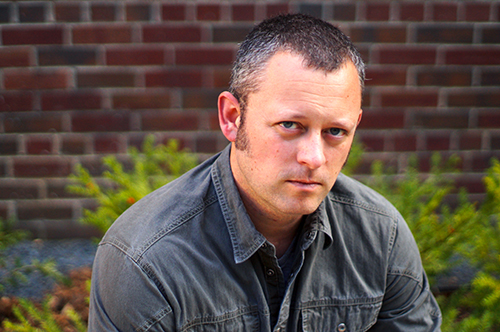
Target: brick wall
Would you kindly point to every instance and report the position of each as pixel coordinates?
(81, 79)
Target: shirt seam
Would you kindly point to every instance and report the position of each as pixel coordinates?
(151, 321)
(362, 205)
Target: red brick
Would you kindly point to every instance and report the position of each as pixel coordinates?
(160, 121)
(142, 100)
(487, 55)
(243, 12)
(30, 167)
(39, 145)
(490, 77)
(407, 55)
(16, 101)
(443, 11)
(44, 210)
(213, 121)
(8, 145)
(230, 34)
(276, 9)
(472, 183)
(385, 76)
(382, 119)
(470, 140)
(495, 142)
(16, 56)
(206, 144)
(32, 35)
(491, 34)
(173, 12)
(18, 190)
(481, 161)
(4, 213)
(32, 12)
(32, 122)
(107, 34)
(489, 119)
(365, 167)
(205, 98)
(312, 9)
(56, 188)
(100, 121)
(108, 143)
(71, 100)
(135, 56)
(384, 34)
(449, 34)
(477, 11)
(344, 12)
(5, 12)
(377, 11)
(67, 56)
(437, 141)
(3, 173)
(371, 141)
(137, 12)
(174, 77)
(36, 79)
(440, 120)
(171, 34)
(474, 99)
(442, 76)
(208, 12)
(404, 98)
(105, 79)
(221, 76)
(411, 12)
(204, 56)
(405, 141)
(67, 12)
(73, 145)
(103, 12)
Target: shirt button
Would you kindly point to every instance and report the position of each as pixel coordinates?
(270, 272)
(342, 327)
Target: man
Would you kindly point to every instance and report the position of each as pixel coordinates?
(268, 235)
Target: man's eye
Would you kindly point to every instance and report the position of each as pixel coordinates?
(336, 131)
(288, 124)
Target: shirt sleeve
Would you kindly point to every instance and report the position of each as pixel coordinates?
(408, 304)
(124, 297)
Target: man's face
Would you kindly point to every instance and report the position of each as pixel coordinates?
(298, 130)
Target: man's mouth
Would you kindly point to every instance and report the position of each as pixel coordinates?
(305, 184)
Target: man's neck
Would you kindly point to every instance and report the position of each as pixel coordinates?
(279, 230)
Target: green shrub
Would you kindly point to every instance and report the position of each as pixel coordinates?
(151, 169)
(15, 271)
(439, 230)
(33, 318)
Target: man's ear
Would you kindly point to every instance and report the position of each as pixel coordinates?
(359, 117)
(229, 115)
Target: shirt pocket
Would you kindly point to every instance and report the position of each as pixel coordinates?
(244, 321)
(340, 317)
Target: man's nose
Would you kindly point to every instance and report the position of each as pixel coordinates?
(311, 151)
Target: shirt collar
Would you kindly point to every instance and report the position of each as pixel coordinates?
(245, 238)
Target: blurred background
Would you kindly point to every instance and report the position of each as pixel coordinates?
(83, 79)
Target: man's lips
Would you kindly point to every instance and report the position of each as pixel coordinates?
(306, 184)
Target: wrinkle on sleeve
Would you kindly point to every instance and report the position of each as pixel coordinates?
(408, 303)
(123, 297)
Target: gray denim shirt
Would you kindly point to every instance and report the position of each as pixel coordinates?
(188, 258)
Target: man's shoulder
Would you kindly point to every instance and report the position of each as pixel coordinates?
(348, 190)
(163, 210)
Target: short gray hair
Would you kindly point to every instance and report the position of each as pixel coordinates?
(322, 46)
